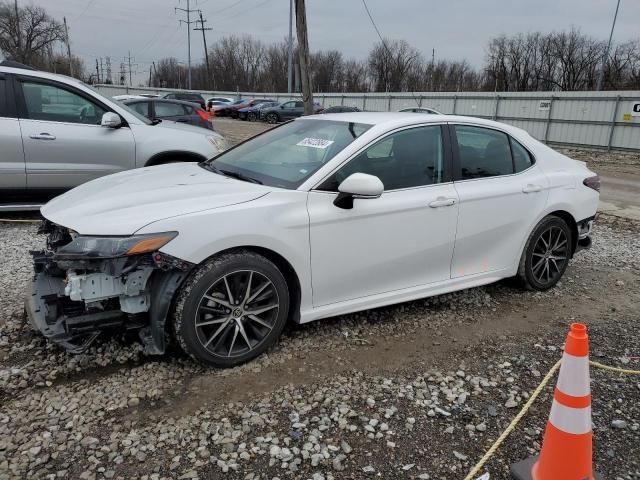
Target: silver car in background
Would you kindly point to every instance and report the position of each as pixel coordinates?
(57, 133)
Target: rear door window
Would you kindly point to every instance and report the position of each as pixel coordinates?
(483, 152)
(165, 109)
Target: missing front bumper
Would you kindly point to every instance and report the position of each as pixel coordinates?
(62, 320)
(72, 301)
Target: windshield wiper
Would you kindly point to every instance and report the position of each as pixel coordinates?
(239, 176)
(228, 173)
(155, 121)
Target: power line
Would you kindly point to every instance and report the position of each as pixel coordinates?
(91, 2)
(227, 8)
(384, 44)
(374, 25)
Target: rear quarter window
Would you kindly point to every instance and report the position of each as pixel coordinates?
(522, 159)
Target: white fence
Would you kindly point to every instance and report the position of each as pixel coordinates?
(586, 119)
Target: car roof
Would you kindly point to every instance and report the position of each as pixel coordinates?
(41, 74)
(399, 119)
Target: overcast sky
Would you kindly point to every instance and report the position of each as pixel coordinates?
(457, 29)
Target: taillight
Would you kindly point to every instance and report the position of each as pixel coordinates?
(202, 114)
(592, 182)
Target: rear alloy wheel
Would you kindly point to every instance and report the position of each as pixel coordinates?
(251, 116)
(232, 309)
(272, 118)
(546, 255)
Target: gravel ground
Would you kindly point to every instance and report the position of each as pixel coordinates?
(413, 391)
(418, 390)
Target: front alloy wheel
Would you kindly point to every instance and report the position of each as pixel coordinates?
(233, 309)
(546, 254)
(272, 118)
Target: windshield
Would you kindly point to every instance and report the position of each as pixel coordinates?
(287, 155)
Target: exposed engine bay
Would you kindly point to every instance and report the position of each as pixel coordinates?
(84, 286)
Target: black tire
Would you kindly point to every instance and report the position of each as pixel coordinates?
(251, 116)
(272, 118)
(200, 299)
(546, 254)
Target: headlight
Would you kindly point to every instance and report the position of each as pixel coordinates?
(110, 247)
(218, 142)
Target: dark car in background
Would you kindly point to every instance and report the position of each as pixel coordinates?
(233, 109)
(340, 109)
(287, 111)
(187, 97)
(173, 110)
(255, 112)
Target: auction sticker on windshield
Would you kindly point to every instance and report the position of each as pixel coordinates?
(314, 143)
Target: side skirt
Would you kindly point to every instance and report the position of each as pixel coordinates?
(404, 295)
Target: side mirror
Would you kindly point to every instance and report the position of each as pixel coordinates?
(111, 120)
(281, 106)
(357, 185)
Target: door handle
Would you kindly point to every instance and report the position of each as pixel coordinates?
(43, 136)
(531, 188)
(442, 202)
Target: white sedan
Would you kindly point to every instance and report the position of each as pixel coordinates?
(318, 217)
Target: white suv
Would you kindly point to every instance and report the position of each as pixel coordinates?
(57, 133)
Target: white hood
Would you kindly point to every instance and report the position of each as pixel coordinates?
(123, 203)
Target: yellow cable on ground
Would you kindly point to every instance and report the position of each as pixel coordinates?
(18, 220)
(474, 471)
(614, 369)
(513, 423)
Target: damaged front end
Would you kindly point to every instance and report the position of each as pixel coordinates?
(84, 285)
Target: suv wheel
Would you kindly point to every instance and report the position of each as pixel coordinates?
(272, 118)
(546, 254)
(232, 309)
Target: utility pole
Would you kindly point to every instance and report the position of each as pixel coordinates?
(150, 67)
(433, 63)
(109, 80)
(206, 52)
(290, 59)
(605, 58)
(128, 60)
(66, 34)
(97, 72)
(303, 56)
(19, 34)
(188, 22)
(101, 71)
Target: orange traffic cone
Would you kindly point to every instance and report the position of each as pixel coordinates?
(566, 449)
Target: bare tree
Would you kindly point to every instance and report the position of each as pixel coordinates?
(390, 62)
(326, 70)
(524, 62)
(25, 36)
